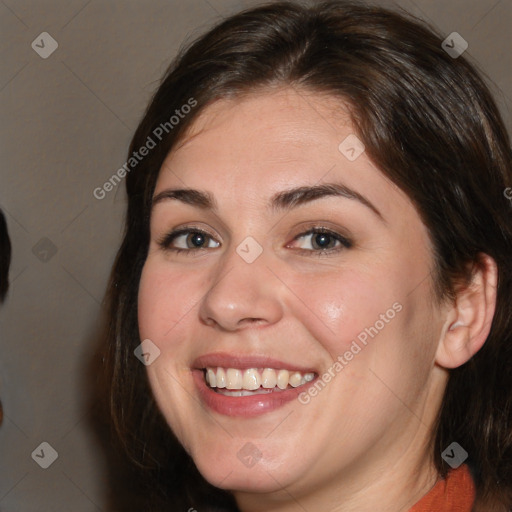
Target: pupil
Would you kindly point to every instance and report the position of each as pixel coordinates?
(197, 239)
(322, 239)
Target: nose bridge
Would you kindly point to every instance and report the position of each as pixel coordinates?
(242, 290)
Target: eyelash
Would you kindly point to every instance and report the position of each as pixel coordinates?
(166, 241)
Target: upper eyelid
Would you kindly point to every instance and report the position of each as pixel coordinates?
(309, 226)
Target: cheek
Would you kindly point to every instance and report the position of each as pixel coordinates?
(334, 307)
(343, 306)
(165, 298)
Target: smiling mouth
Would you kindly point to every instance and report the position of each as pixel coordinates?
(253, 381)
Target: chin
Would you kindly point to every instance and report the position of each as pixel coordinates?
(244, 469)
(249, 480)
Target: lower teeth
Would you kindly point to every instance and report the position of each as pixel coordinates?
(244, 392)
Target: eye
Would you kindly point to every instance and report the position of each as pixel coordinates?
(323, 241)
(193, 240)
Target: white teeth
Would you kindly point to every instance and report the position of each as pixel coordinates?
(295, 379)
(211, 378)
(234, 379)
(221, 377)
(269, 378)
(282, 379)
(254, 381)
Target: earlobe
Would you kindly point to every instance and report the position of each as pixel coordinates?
(469, 319)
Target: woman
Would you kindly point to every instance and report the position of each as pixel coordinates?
(372, 377)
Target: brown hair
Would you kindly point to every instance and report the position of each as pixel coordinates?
(429, 123)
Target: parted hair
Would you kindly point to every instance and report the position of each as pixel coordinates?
(429, 123)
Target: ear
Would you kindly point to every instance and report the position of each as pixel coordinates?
(469, 318)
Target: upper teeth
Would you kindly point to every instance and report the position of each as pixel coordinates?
(252, 378)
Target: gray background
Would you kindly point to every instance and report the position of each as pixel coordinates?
(66, 122)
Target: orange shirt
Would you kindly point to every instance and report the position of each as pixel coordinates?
(455, 494)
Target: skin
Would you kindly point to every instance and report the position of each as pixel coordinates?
(363, 442)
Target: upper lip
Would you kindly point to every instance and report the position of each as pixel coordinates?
(245, 361)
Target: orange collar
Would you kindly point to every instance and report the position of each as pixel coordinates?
(454, 494)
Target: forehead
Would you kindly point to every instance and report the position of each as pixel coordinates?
(281, 119)
(258, 144)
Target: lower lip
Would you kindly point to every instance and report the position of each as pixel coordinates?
(245, 406)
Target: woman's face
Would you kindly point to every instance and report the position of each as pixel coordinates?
(330, 282)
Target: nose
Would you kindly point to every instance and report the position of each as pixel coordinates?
(242, 294)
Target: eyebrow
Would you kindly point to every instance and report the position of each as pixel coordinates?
(284, 200)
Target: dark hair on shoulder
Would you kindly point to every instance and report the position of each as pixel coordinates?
(428, 122)
(5, 257)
